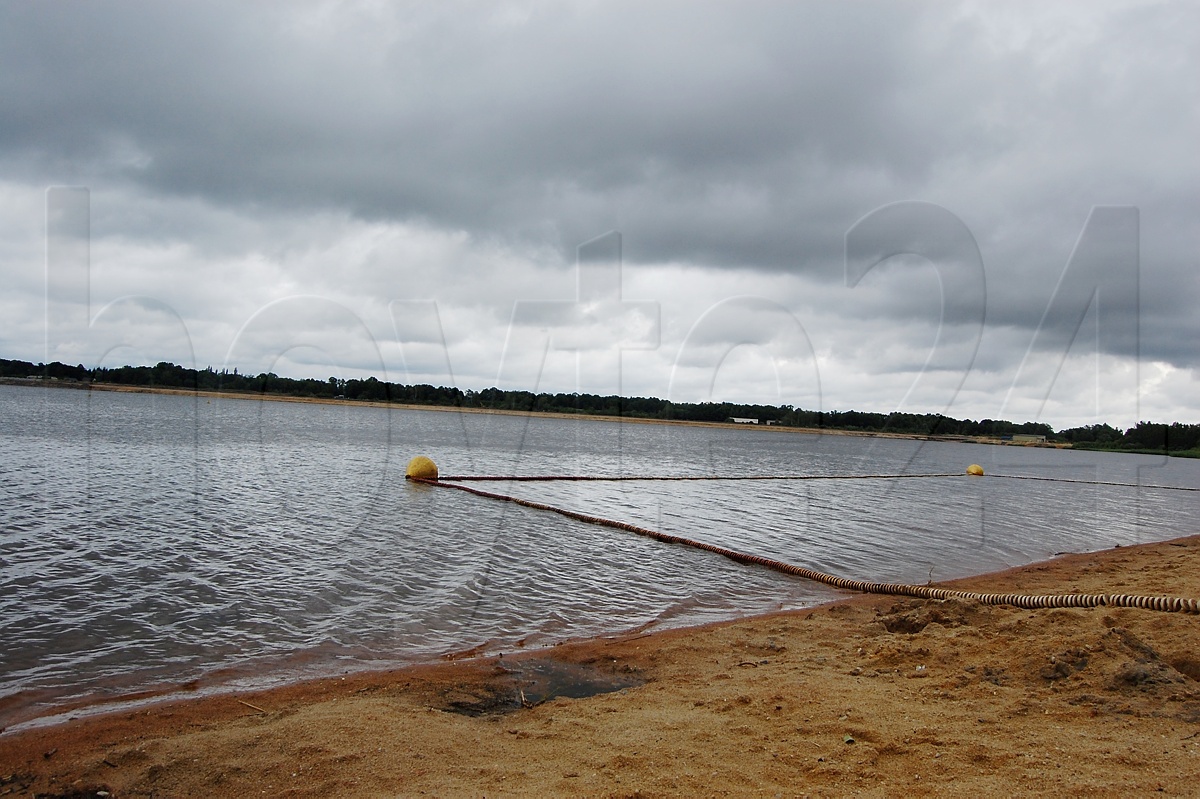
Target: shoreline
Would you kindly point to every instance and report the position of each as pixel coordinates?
(264, 397)
(870, 695)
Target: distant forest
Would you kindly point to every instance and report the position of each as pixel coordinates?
(1174, 439)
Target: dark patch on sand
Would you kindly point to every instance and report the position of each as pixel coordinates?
(521, 683)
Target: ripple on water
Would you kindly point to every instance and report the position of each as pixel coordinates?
(151, 541)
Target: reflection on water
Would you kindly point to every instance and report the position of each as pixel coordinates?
(152, 540)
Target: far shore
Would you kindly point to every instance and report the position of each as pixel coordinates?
(820, 431)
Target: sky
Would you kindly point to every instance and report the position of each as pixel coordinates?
(988, 210)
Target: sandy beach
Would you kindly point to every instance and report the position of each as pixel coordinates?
(870, 696)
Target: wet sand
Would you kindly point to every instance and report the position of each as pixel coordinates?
(871, 696)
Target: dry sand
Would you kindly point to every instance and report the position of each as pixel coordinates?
(872, 696)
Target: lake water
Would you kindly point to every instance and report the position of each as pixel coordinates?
(147, 541)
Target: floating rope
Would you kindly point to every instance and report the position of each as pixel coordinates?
(1163, 603)
(1095, 482)
(540, 478)
(537, 478)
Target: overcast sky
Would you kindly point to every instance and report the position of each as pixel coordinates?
(982, 209)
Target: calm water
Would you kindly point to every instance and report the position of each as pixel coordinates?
(147, 541)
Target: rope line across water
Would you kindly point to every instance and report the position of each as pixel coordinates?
(1094, 482)
(1163, 603)
(538, 478)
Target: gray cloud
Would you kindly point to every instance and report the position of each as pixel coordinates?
(461, 152)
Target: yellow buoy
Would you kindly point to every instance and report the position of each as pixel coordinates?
(974, 469)
(421, 468)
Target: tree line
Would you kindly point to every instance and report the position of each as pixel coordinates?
(1173, 438)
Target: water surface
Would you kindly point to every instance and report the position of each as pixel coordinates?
(151, 540)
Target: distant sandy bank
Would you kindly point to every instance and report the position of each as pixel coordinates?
(534, 414)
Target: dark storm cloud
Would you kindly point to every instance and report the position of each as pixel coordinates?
(731, 136)
(708, 136)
